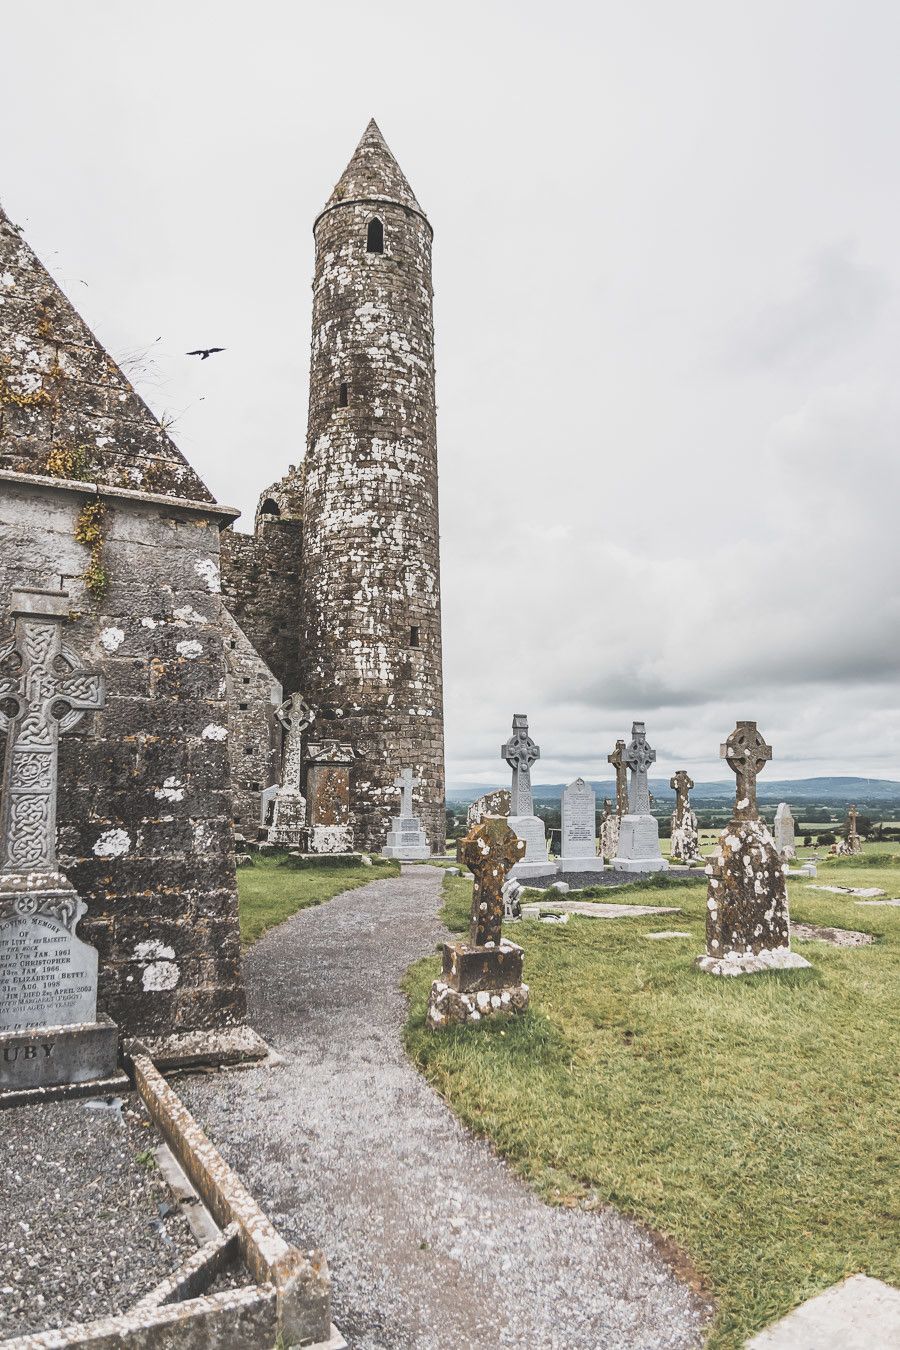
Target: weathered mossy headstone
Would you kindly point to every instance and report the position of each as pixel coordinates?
(685, 846)
(482, 977)
(747, 924)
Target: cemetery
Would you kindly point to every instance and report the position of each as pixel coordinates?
(300, 1047)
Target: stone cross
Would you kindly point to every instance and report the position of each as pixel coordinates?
(44, 692)
(296, 716)
(681, 784)
(638, 757)
(851, 820)
(406, 782)
(489, 850)
(617, 760)
(746, 754)
(520, 752)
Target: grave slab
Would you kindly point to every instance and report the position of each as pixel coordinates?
(858, 1314)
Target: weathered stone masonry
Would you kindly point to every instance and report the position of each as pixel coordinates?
(144, 806)
(370, 648)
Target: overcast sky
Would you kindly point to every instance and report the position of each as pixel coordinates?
(666, 305)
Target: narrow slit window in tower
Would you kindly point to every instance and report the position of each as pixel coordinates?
(414, 635)
(375, 236)
(343, 396)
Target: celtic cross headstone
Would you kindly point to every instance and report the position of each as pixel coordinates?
(747, 924)
(617, 760)
(483, 976)
(48, 975)
(289, 808)
(685, 839)
(520, 752)
(638, 845)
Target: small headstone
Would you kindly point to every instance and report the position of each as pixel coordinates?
(482, 977)
(578, 851)
(520, 752)
(685, 842)
(783, 832)
(747, 925)
(562, 886)
(328, 785)
(512, 899)
(288, 803)
(406, 838)
(49, 1030)
(491, 804)
(638, 831)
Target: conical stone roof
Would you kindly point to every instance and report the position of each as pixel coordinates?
(66, 409)
(373, 175)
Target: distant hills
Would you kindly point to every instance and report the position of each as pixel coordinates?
(838, 791)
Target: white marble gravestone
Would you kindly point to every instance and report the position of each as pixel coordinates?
(406, 839)
(520, 752)
(49, 1032)
(639, 832)
(578, 850)
(784, 832)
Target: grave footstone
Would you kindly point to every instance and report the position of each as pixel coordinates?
(747, 924)
(482, 977)
(578, 814)
(50, 1033)
(520, 752)
(638, 832)
(328, 789)
(289, 805)
(685, 842)
(406, 838)
(784, 832)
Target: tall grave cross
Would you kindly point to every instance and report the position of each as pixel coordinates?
(296, 716)
(638, 757)
(681, 784)
(489, 850)
(746, 754)
(406, 782)
(520, 752)
(44, 691)
(617, 760)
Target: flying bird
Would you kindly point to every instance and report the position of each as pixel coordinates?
(205, 352)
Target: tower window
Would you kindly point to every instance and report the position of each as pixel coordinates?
(343, 396)
(375, 236)
(269, 508)
(414, 635)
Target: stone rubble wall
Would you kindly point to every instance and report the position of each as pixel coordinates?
(261, 585)
(144, 805)
(371, 554)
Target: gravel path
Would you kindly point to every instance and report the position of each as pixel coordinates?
(431, 1240)
(86, 1228)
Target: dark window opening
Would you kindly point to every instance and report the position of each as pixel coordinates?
(375, 236)
(343, 398)
(243, 707)
(270, 508)
(414, 635)
(256, 787)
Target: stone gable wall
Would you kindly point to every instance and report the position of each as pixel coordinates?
(254, 732)
(261, 585)
(144, 806)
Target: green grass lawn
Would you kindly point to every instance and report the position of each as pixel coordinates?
(752, 1121)
(275, 886)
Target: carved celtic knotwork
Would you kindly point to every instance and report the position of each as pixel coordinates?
(40, 677)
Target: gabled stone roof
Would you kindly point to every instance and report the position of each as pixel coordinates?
(66, 409)
(373, 175)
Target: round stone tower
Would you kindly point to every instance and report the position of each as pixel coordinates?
(370, 652)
